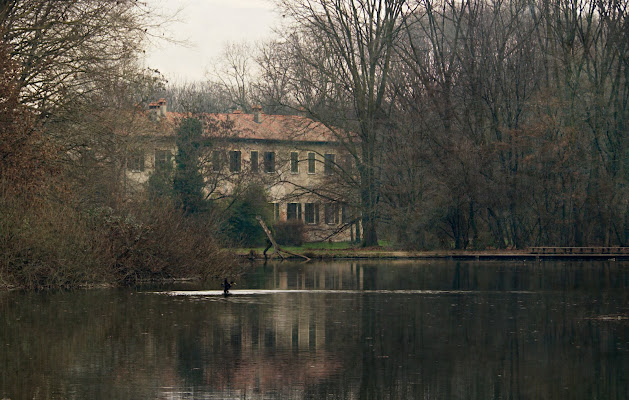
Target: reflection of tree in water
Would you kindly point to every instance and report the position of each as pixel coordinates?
(92, 344)
(480, 340)
(444, 275)
(489, 344)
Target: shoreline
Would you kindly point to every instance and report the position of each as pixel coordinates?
(376, 254)
(245, 256)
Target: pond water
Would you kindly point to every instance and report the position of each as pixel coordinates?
(338, 330)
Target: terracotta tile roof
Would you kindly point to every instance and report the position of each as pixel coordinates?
(270, 127)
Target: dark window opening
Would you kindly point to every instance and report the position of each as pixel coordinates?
(163, 159)
(311, 213)
(294, 162)
(331, 214)
(255, 166)
(274, 209)
(293, 211)
(216, 161)
(135, 162)
(344, 214)
(311, 163)
(348, 164)
(328, 166)
(234, 161)
(269, 161)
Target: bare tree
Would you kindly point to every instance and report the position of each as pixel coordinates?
(272, 88)
(67, 49)
(234, 73)
(197, 97)
(344, 58)
(80, 73)
(522, 106)
(26, 159)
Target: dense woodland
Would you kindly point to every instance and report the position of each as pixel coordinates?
(473, 124)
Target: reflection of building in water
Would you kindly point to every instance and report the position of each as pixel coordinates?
(281, 340)
(336, 276)
(285, 325)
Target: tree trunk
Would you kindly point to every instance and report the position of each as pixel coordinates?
(369, 202)
(370, 234)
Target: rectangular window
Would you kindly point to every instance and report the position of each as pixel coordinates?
(294, 162)
(293, 211)
(328, 166)
(269, 161)
(311, 213)
(216, 161)
(234, 161)
(275, 211)
(331, 214)
(255, 165)
(163, 159)
(348, 164)
(344, 214)
(135, 163)
(311, 163)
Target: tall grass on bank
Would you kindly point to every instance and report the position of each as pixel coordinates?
(55, 245)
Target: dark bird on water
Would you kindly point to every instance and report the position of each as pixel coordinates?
(226, 286)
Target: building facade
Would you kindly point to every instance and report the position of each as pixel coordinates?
(299, 162)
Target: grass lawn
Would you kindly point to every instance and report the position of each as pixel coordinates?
(314, 246)
(304, 247)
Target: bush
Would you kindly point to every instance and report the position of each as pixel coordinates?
(56, 245)
(155, 240)
(49, 246)
(289, 233)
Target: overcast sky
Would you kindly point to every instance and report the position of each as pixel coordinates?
(206, 25)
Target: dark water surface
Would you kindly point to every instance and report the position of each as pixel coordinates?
(343, 330)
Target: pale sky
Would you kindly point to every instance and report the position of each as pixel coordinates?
(206, 25)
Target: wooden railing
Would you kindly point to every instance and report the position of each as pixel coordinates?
(578, 250)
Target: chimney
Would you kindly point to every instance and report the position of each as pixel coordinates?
(257, 111)
(162, 106)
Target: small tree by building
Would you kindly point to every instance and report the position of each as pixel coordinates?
(242, 227)
(188, 181)
(160, 183)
